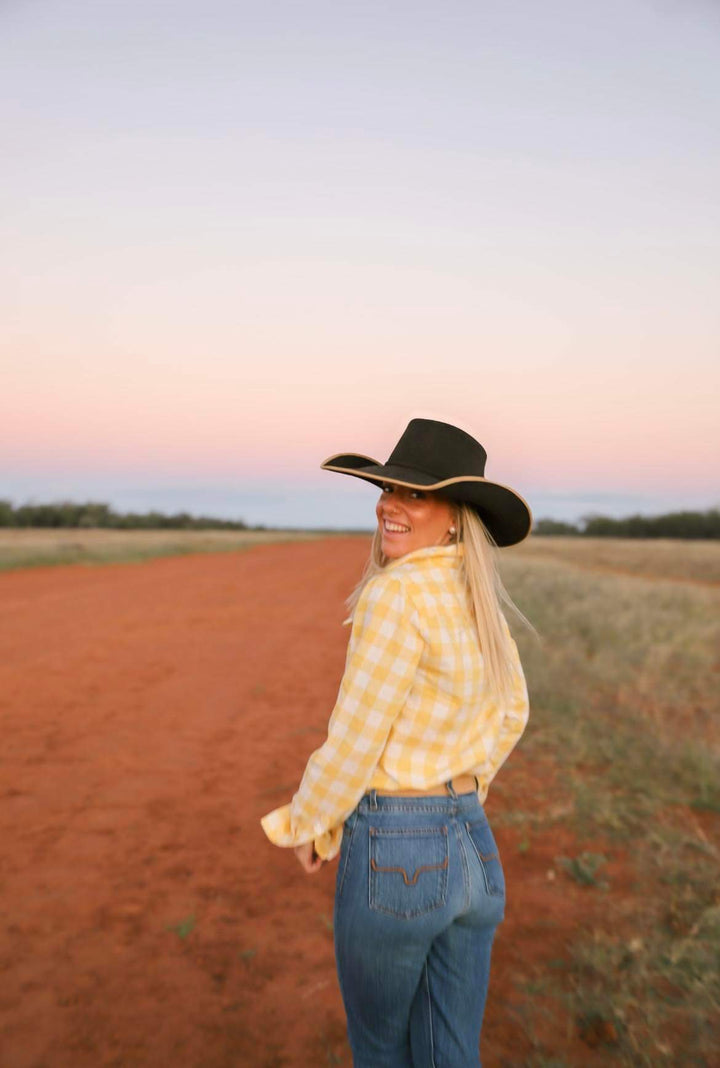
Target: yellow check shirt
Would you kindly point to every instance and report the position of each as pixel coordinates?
(413, 710)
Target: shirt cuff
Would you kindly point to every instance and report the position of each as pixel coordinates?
(278, 827)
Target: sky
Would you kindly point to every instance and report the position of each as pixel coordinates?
(239, 238)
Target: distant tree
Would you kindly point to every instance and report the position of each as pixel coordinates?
(599, 526)
(686, 525)
(94, 514)
(553, 526)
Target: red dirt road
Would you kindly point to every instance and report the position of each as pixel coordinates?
(151, 713)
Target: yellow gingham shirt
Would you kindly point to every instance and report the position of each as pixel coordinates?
(413, 710)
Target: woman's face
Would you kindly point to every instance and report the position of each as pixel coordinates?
(410, 519)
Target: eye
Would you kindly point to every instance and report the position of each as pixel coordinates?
(387, 488)
(418, 495)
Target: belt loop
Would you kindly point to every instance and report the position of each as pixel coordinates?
(451, 790)
(373, 800)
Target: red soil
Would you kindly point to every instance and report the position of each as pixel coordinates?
(151, 714)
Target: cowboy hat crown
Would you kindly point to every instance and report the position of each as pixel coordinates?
(437, 456)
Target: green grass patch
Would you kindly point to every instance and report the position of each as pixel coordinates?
(184, 928)
(584, 868)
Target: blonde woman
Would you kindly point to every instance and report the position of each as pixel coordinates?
(432, 701)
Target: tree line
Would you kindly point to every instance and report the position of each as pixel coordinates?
(694, 525)
(96, 514)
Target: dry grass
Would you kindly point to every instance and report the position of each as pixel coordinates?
(625, 706)
(647, 651)
(33, 547)
(697, 561)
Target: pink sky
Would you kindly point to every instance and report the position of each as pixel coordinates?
(218, 270)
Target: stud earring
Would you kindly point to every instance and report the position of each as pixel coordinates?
(452, 530)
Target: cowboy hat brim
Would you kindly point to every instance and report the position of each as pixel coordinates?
(503, 511)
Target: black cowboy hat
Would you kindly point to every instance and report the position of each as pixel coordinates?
(438, 456)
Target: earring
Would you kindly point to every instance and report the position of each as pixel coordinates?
(452, 530)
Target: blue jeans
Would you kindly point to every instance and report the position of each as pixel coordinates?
(420, 891)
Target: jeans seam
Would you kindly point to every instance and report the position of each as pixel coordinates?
(411, 810)
(466, 868)
(347, 856)
(430, 1019)
(478, 854)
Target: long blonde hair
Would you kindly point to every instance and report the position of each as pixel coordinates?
(485, 594)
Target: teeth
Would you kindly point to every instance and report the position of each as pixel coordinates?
(396, 527)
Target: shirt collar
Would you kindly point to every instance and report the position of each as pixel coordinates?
(433, 553)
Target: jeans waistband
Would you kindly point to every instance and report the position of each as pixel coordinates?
(449, 802)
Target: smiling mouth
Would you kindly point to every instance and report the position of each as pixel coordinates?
(395, 528)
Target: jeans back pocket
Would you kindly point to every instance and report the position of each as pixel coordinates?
(487, 852)
(408, 870)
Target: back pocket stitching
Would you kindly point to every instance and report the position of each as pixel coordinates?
(403, 872)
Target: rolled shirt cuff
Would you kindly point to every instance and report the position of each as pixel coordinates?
(278, 827)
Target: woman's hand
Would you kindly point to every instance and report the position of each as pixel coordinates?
(308, 858)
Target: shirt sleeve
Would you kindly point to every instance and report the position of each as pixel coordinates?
(514, 721)
(383, 653)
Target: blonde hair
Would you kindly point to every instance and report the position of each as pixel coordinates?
(485, 594)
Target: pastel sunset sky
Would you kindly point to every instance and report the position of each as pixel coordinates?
(241, 237)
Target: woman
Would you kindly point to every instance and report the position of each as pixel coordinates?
(432, 701)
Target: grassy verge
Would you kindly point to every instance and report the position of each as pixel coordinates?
(696, 561)
(625, 702)
(44, 548)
